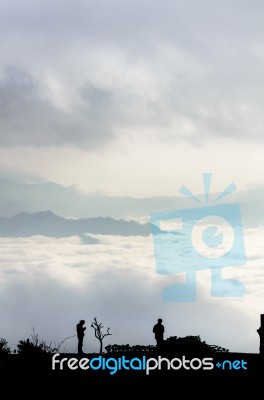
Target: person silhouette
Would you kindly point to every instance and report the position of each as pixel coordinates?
(158, 330)
(80, 334)
(261, 335)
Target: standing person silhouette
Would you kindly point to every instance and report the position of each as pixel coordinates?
(158, 330)
(80, 334)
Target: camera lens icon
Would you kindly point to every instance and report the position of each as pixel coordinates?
(192, 239)
(202, 238)
(212, 236)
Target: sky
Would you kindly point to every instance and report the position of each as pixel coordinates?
(132, 97)
(136, 98)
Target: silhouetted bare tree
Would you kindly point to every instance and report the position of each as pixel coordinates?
(98, 332)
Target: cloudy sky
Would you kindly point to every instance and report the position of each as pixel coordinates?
(132, 97)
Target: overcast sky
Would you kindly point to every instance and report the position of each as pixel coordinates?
(132, 97)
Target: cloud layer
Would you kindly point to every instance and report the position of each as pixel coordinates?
(50, 285)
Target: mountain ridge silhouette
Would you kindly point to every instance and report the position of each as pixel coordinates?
(47, 223)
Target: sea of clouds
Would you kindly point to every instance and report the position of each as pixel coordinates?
(48, 285)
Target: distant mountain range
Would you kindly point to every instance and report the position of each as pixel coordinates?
(69, 202)
(48, 224)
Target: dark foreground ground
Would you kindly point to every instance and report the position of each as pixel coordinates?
(231, 371)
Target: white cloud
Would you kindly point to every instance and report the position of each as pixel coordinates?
(52, 284)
